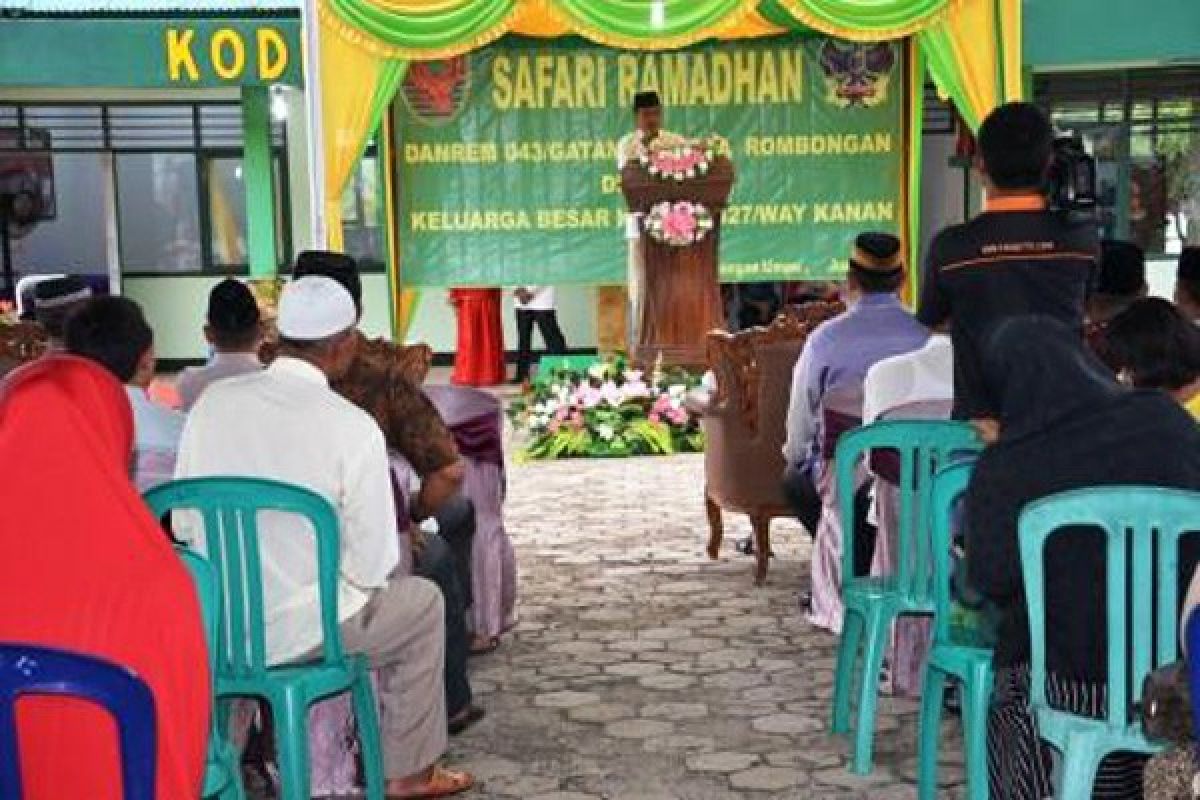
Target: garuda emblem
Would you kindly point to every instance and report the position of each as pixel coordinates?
(435, 91)
(856, 74)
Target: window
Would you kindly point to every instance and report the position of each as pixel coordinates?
(1144, 130)
(362, 214)
(158, 187)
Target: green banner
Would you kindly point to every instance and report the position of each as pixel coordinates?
(507, 156)
(150, 52)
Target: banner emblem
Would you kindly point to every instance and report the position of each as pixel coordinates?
(856, 74)
(435, 91)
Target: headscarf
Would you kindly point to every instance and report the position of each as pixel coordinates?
(1038, 374)
(86, 567)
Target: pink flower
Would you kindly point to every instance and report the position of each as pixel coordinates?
(679, 416)
(576, 421)
(554, 425)
(561, 414)
(679, 223)
(654, 418)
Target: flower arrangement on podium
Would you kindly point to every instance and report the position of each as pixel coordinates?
(675, 159)
(608, 410)
(679, 224)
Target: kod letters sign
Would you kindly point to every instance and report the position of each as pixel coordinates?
(507, 156)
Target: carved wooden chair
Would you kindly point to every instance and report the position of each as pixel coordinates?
(745, 424)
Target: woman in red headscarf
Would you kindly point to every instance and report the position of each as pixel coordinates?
(480, 357)
(84, 566)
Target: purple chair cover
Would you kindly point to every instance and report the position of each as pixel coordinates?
(910, 635)
(475, 418)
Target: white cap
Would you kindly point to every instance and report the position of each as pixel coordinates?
(315, 307)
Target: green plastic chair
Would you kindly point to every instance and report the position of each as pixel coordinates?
(874, 603)
(230, 508)
(958, 652)
(1142, 632)
(222, 776)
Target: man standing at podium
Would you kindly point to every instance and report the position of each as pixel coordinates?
(647, 116)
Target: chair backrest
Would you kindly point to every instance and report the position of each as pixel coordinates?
(34, 670)
(886, 464)
(924, 447)
(1137, 521)
(230, 509)
(949, 485)
(204, 577)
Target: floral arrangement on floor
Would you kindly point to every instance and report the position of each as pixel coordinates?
(682, 160)
(610, 410)
(679, 224)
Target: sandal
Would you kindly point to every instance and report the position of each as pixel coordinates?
(442, 783)
(487, 648)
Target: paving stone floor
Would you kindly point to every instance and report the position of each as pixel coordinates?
(643, 671)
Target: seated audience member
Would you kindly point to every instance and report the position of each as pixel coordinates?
(1154, 346)
(916, 385)
(53, 302)
(1119, 282)
(1187, 283)
(286, 424)
(234, 329)
(86, 568)
(415, 432)
(836, 358)
(1065, 423)
(1015, 258)
(113, 332)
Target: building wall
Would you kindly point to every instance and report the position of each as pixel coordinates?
(1087, 34)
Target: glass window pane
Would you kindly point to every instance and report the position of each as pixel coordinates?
(227, 211)
(159, 220)
(361, 211)
(76, 197)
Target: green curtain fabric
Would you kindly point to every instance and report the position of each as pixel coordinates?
(438, 26)
(625, 22)
(862, 18)
(942, 64)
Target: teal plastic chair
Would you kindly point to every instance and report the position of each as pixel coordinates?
(1142, 629)
(959, 652)
(230, 509)
(222, 776)
(574, 363)
(873, 603)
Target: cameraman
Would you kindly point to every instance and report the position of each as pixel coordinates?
(1015, 258)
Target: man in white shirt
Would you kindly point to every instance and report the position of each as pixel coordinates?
(113, 332)
(234, 329)
(285, 423)
(535, 305)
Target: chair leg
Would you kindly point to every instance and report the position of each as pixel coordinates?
(852, 629)
(366, 715)
(933, 689)
(1080, 761)
(716, 527)
(762, 546)
(290, 712)
(874, 645)
(977, 701)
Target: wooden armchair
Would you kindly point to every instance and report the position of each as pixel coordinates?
(745, 424)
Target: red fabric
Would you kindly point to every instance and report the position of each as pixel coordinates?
(480, 358)
(86, 567)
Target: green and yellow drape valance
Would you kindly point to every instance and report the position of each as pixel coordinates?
(970, 48)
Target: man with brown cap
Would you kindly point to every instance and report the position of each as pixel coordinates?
(834, 363)
(1187, 283)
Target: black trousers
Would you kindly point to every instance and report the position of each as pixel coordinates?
(805, 501)
(552, 335)
(436, 563)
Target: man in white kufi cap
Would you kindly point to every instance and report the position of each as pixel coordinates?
(286, 424)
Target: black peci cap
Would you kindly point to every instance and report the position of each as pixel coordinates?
(60, 292)
(339, 266)
(232, 307)
(877, 252)
(647, 99)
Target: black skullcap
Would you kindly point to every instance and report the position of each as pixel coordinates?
(1189, 264)
(232, 307)
(647, 99)
(60, 292)
(877, 252)
(1122, 269)
(339, 266)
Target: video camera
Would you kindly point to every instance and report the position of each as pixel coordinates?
(1071, 179)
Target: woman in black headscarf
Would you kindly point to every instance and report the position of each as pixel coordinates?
(1065, 423)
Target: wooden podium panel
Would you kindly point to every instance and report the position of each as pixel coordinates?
(681, 293)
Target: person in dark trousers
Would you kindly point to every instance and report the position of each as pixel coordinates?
(535, 305)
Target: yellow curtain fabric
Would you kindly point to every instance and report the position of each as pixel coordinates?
(962, 52)
(1011, 42)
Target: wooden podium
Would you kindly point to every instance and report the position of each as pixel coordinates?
(681, 293)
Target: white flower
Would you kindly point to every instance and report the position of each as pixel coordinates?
(596, 371)
(539, 408)
(691, 173)
(605, 432)
(676, 390)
